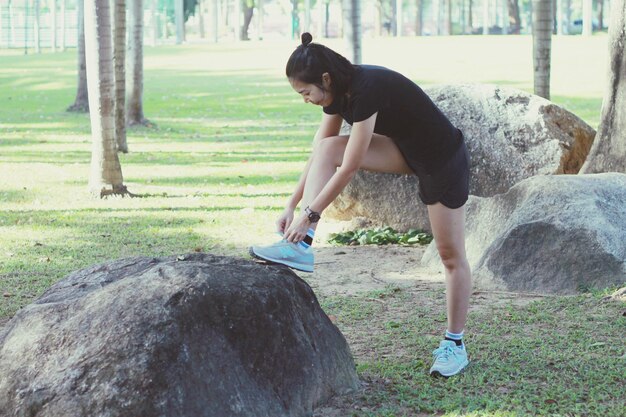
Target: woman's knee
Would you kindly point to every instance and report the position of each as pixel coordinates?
(451, 256)
(330, 148)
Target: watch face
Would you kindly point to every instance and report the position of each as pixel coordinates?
(314, 217)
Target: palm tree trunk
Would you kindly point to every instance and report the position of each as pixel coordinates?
(248, 12)
(105, 176)
(600, 9)
(608, 152)
(419, 18)
(36, 27)
(485, 17)
(53, 25)
(179, 18)
(63, 26)
(81, 102)
(352, 29)
(449, 16)
(135, 65)
(542, 46)
(119, 59)
(587, 17)
(200, 13)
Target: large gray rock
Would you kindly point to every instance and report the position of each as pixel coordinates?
(192, 336)
(511, 135)
(555, 234)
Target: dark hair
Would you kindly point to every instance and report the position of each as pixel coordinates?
(311, 60)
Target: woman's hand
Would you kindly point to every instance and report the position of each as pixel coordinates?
(284, 221)
(298, 229)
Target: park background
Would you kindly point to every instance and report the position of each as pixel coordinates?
(224, 147)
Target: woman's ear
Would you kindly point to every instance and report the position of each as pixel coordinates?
(326, 81)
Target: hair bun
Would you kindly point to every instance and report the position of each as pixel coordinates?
(306, 38)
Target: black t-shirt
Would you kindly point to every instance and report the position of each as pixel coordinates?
(406, 114)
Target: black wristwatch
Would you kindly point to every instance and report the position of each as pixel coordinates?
(314, 216)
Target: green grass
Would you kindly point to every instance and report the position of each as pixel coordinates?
(558, 356)
(228, 143)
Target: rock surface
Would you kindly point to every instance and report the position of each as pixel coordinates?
(511, 135)
(197, 335)
(555, 234)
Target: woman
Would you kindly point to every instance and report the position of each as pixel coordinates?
(396, 128)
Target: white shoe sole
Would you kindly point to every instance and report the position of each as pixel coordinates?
(294, 265)
(448, 375)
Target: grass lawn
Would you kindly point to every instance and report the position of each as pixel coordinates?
(230, 140)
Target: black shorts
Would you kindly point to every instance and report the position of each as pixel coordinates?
(450, 185)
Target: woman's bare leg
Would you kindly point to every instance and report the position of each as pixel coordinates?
(382, 156)
(448, 227)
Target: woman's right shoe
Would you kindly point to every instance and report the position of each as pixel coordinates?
(286, 253)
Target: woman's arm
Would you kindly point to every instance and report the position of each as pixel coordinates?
(353, 156)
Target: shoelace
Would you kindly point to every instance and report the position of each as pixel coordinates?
(443, 353)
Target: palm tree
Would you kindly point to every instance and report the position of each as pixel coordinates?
(53, 25)
(36, 27)
(179, 18)
(542, 46)
(119, 58)
(608, 152)
(419, 17)
(352, 29)
(81, 102)
(105, 177)
(134, 107)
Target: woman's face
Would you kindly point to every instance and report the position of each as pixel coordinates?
(312, 93)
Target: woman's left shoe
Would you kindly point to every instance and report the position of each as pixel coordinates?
(450, 359)
(286, 253)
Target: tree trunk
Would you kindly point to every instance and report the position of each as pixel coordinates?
(587, 17)
(179, 18)
(154, 22)
(105, 176)
(419, 17)
(36, 27)
(63, 25)
(248, 12)
(53, 25)
(608, 152)
(470, 17)
(485, 17)
(515, 16)
(437, 15)
(542, 45)
(352, 29)
(200, 13)
(119, 58)
(307, 16)
(135, 65)
(81, 102)
(554, 16)
(449, 16)
(600, 4)
(214, 21)
(259, 14)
